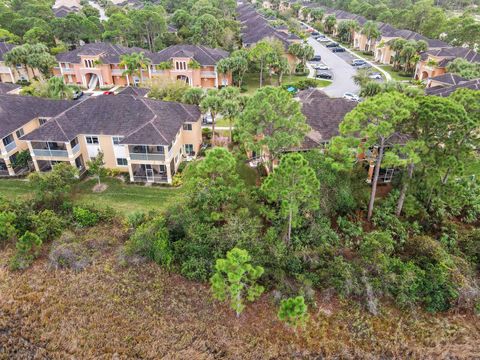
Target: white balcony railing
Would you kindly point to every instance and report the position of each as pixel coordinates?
(76, 149)
(147, 156)
(67, 70)
(208, 74)
(9, 147)
(50, 153)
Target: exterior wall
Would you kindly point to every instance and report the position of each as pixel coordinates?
(193, 136)
(12, 74)
(423, 71)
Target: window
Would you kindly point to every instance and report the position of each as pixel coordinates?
(160, 149)
(117, 140)
(19, 133)
(189, 149)
(180, 65)
(91, 139)
(7, 139)
(42, 121)
(89, 63)
(187, 127)
(122, 162)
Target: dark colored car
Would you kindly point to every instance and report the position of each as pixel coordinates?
(315, 33)
(338, 49)
(323, 75)
(316, 58)
(332, 44)
(77, 94)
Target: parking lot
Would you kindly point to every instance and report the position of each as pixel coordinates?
(340, 68)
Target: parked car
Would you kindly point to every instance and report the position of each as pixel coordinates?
(323, 75)
(324, 39)
(315, 33)
(351, 96)
(331, 45)
(364, 66)
(321, 67)
(358, 62)
(316, 58)
(108, 92)
(207, 119)
(338, 49)
(375, 76)
(77, 94)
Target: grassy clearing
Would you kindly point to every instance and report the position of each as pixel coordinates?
(252, 82)
(122, 197)
(395, 74)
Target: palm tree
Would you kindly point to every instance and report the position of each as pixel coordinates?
(330, 22)
(370, 30)
(134, 64)
(397, 46)
(57, 89)
(212, 103)
(230, 108)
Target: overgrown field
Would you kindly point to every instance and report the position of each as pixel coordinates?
(112, 310)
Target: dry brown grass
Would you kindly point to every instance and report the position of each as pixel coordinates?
(113, 312)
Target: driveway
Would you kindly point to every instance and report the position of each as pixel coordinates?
(341, 70)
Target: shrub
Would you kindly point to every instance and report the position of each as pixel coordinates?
(27, 249)
(47, 225)
(151, 240)
(196, 269)
(438, 290)
(84, 217)
(7, 228)
(293, 311)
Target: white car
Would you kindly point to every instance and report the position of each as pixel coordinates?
(321, 67)
(375, 76)
(207, 119)
(323, 40)
(351, 96)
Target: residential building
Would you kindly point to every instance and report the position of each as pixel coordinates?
(19, 116)
(12, 74)
(62, 8)
(434, 62)
(444, 87)
(194, 64)
(9, 88)
(255, 27)
(98, 65)
(144, 137)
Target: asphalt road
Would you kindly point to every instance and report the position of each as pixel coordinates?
(341, 70)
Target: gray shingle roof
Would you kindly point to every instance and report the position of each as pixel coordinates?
(16, 110)
(450, 53)
(323, 114)
(446, 91)
(449, 79)
(204, 55)
(4, 48)
(109, 53)
(135, 91)
(122, 115)
(5, 88)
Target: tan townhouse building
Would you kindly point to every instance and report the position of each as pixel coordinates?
(99, 65)
(434, 62)
(146, 138)
(19, 116)
(12, 74)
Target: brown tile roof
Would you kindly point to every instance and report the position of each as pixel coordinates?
(124, 115)
(17, 110)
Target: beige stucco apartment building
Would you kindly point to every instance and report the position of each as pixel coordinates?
(98, 65)
(12, 74)
(148, 139)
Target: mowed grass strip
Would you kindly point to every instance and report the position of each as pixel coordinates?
(124, 198)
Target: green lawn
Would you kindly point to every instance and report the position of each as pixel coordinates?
(122, 197)
(395, 75)
(252, 81)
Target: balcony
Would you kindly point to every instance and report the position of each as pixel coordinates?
(158, 72)
(208, 74)
(50, 153)
(9, 147)
(147, 156)
(67, 70)
(117, 72)
(76, 149)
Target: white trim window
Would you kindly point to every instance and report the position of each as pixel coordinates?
(187, 127)
(122, 162)
(19, 133)
(92, 140)
(117, 140)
